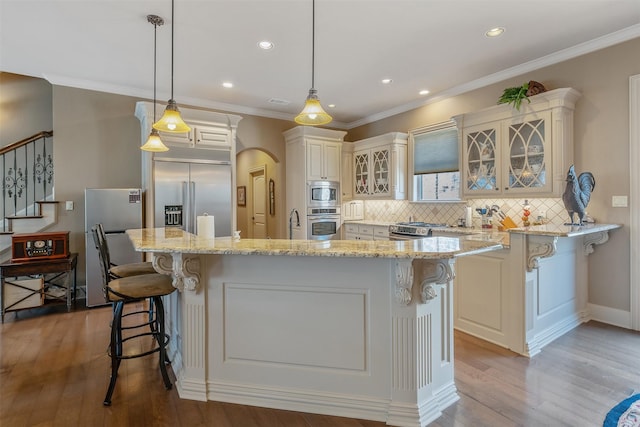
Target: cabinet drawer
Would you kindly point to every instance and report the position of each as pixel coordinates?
(365, 229)
(381, 231)
(351, 228)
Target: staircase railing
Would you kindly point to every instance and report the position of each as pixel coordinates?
(26, 168)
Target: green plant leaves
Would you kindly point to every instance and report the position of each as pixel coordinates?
(515, 95)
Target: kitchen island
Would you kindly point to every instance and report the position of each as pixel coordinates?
(360, 329)
(531, 292)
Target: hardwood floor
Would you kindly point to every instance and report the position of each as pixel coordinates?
(54, 372)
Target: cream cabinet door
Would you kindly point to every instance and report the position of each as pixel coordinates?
(323, 160)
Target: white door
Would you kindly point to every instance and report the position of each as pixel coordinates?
(259, 206)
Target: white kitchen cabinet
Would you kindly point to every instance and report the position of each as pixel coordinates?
(379, 167)
(311, 154)
(365, 232)
(323, 160)
(314, 154)
(346, 183)
(200, 136)
(353, 210)
(511, 153)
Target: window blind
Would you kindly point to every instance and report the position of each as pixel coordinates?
(436, 151)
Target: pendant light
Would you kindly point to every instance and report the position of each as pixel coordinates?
(171, 121)
(313, 114)
(154, 143)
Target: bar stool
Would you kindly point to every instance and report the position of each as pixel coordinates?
(119, 291)
(122, 270)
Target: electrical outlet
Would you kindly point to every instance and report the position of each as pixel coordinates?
(69, 205)
(542, 214)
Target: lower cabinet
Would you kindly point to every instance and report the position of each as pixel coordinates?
(365, 232)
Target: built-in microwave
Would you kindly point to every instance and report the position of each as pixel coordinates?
(323, 194)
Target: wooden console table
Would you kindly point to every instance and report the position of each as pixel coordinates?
(49, 271)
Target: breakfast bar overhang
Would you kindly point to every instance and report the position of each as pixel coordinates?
(360, 329)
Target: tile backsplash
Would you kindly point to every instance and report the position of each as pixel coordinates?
(402, 210)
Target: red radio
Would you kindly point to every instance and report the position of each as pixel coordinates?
(39, 246)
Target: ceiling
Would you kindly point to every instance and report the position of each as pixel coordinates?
(438, 45)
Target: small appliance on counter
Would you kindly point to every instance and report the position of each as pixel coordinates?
(39, 246)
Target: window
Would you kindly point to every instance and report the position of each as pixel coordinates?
(434, 166)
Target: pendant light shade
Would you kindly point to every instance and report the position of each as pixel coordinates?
(154, 143)
(313, 114)
(171, 121)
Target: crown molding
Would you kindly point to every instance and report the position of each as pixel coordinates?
(605, 41)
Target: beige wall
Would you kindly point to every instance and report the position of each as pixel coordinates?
(601, 146)
(95, 146)
(25, 107)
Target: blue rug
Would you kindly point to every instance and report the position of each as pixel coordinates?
(625, 413)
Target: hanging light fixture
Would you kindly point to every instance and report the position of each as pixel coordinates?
(313, 114)
(154, 143)
(171, 121)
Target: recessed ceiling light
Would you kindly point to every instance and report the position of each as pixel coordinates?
(227, 84)
(424, 92)
(265, 44)
(331, 105)
(386, 81)
(495, 32)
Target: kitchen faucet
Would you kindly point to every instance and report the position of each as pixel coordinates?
(294, 210)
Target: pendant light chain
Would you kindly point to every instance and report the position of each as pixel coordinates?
(172, 21)
(172, 121)
(313, 114)
(313, 44)
(155, 60)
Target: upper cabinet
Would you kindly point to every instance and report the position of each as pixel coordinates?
(346, 184)
(314, 154)
(200, 136)
(209, 130)
(380, 167)
(511, 153)
(323, 160)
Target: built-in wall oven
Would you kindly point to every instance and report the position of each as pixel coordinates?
(323, 223)
(323, 194)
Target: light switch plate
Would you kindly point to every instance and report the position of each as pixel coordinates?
(619, 201)
(69, 205)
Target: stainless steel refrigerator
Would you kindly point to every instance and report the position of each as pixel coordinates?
(117, 209)
(186, 189)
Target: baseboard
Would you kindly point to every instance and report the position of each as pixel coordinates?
(611, 316)
(541, 339)
(335, 404)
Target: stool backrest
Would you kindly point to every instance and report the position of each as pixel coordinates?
(103, 254)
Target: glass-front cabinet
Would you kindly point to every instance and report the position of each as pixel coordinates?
(379, 167)
(511, 153)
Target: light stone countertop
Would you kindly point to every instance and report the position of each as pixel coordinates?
(564, 230)
(171, 240)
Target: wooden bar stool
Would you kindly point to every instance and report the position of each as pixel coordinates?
(119, 291)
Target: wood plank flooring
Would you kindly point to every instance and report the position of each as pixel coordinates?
(54, 372)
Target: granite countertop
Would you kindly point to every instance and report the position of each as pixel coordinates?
(176, 240)
(563, 230)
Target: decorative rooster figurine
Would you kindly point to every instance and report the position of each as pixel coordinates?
(577, 194)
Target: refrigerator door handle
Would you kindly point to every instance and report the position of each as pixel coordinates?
(185, 204)
(192, 205)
